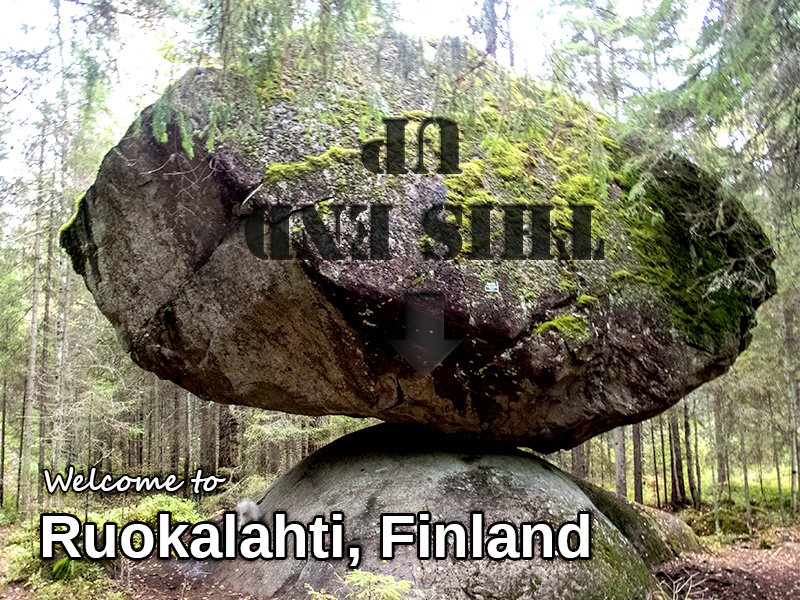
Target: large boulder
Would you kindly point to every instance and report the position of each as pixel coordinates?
(403, 469)
(553, 351)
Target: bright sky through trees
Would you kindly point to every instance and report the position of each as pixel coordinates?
(143, 71)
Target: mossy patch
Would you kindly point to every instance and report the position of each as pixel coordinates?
(507, 160)
(680, 225)
(569, 326)
(311, 164)
(272, 90)
(469, 187)
(72, 219)
(416, 115)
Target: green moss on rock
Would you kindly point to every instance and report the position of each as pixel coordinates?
(310, 164)
(586, 301)
(416, 115)
(679, 224)
(468, 187)
(570, 326)
(657, 537)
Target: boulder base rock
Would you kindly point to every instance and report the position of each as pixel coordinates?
(403, 469)
(553, 351)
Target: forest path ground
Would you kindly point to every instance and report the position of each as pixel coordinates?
(740, 572)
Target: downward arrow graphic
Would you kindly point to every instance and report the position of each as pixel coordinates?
(424, 346)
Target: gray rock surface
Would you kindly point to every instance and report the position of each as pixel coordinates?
(565, 350)
(403, 469)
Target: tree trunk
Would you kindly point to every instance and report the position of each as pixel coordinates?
(579, 461)
(149, 433)
(687, 432)
(216, 435)
(510, 43)
(208, 449)
(795, 440)
(775, 456)
(663, 456)
(792, 453)
(188, 463)
(490, 26)
(140, 439)
(677, 456)
(715, 485)
(3, 448)
(697, 454)
(89, 435)
(175, 446)
(760, 465)
(638, 492)
(58, 430)
(655, 461)
(746, 480)
(109, 455)
(588, 470)
(157, 424)
(601, 463)
(45, 371)
(620, 463)
(728, 465)
(789, 351)
(600, 83)
(719, 438)
(21, 442)
(228, 437)
(30, 386)
(674, 495)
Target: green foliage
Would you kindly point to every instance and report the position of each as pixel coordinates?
(22, 562)
(93, 586)
(63, 569)
(702, 522)
(251, 36)
(169, 110)
(369, 586)
(321, 595)
(67, 569)
(147, 509)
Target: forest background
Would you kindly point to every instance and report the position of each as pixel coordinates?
(717, 81)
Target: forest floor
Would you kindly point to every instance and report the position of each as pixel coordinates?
(741, 571)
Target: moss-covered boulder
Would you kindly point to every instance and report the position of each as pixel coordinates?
(657, 536)
(553, 351)
(401, 469)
